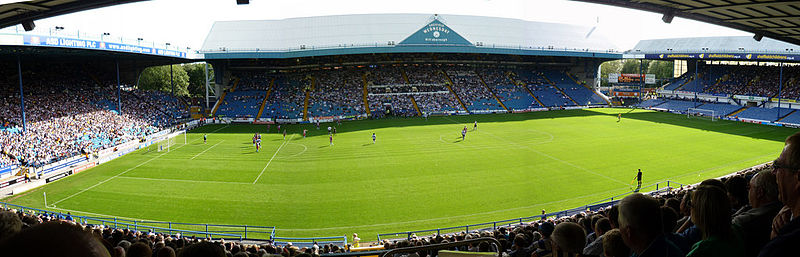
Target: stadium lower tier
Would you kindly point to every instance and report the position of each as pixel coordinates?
(409, 175)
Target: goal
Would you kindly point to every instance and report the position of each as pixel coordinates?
(176, 138)
(701, 113)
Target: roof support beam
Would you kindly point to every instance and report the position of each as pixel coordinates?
(743, 5)
(764, 18)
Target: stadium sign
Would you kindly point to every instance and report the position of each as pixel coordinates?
(726, 56)
(435, 33)
(50, 41)
(58, 176)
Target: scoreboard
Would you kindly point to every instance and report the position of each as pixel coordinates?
(631, 78)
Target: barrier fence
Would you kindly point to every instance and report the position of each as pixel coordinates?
(247, 232)
(658, 187)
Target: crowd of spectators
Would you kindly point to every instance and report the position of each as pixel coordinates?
(67, 115)
(397, 105)
(338, 92)
(752, 80)
(471, 91)
(288, 97)
(22, 233)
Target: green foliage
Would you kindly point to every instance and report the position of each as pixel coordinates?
(158, 78)
(197, 78)
(632, 66)
(662, 69)
(419, 174)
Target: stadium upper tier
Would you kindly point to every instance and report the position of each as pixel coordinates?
(401, 91)
(750, 80)
(400, 33)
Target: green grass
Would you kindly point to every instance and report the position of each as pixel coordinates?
(419, 175)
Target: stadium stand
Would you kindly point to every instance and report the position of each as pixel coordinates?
(468, 87)
(678, 105)
(720, 109)
(513, 96)
(286, 101)
(336, 93)
(764, 114)
(69, 114)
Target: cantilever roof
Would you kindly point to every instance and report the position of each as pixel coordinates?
(778, 19)
(739, 44)
(378, 30)
(19, 11)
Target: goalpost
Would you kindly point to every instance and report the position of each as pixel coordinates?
(701, 113)
(176, 138)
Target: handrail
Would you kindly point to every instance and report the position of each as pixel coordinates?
(437, 247)
(240, 234)
(270, 230)
(495, 224)
(342, 239)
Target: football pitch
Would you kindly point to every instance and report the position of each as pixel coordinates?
(419, 174)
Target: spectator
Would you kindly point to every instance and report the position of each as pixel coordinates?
(596, 247)
(61, 239)
(569, 239)
(788, 180)
(756, 222)
(711, 213)
(640, 225)
(614, 246)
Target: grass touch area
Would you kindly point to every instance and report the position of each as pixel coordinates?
(419, 174)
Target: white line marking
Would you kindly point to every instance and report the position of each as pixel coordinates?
(126, 171)
(273, 157)
(546, 155)
(206, 150)
(184, 180)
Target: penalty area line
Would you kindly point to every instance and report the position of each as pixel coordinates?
(273, 157)
(115, 176)
(195, 156)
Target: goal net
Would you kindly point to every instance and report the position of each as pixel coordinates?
(175, 139)
(701, 113)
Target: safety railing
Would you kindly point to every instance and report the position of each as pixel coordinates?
(309, 241)
(213, 231)
(658, 187)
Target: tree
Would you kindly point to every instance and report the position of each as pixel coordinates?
(632, 66)
(662, 69)
(609, 67)
(197, 78)
(158, 78)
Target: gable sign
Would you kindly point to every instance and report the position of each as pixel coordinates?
(435, 33)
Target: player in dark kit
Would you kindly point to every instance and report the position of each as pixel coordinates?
(463, 133)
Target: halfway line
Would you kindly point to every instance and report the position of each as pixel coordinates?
(273, 157)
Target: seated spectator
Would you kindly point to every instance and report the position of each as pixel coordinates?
(711, 212)
(569, 239)
(614, 246)
(60, 239)
(755, 222)
(595, 247)
(640, 225)
(787, 174)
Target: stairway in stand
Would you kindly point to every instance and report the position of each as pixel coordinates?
(266, 97)
(449, 85)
